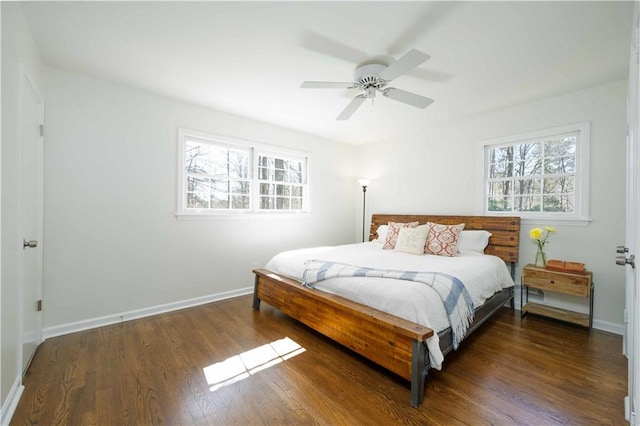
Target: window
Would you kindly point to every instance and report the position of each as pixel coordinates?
(223, 175)
(281, 182)
(541, 175)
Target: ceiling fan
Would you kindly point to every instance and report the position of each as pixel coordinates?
(374, 77)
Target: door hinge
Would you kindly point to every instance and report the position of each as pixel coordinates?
(41, 127)
(39, 305)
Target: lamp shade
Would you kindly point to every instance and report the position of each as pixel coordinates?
(364, 182)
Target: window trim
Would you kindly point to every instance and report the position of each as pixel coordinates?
(255, 149)
(581, 215)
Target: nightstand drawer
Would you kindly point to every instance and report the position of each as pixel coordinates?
(578, 285)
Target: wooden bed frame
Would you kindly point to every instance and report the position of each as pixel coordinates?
(392, 342)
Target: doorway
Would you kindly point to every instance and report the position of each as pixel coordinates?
(31, 216)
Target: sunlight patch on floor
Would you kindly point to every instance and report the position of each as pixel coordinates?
(241, 366)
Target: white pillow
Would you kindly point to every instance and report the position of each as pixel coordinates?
(473, 242)
(382, 233)
(412, 240)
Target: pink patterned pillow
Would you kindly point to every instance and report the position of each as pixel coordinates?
(443, 239)
(393, 232)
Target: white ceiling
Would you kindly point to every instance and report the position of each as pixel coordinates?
(249, 59)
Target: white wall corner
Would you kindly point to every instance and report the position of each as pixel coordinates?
(9, 405)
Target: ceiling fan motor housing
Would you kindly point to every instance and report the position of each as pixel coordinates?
(366, 76)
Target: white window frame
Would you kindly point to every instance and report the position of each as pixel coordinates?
(255, 150)
(580, 217)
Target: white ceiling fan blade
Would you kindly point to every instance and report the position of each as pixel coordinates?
(409, 61)
(333, 48)
(407, 97)
(352, 107)
(326, 85)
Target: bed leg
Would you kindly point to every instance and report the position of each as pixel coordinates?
(418, 372)
(256, 301)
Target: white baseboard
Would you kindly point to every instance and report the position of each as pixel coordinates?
(9, 405)
(611, 327)
(74, 327)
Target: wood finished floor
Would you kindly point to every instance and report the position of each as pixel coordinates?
(150, 371)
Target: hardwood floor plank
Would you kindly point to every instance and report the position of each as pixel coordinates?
(153, 371)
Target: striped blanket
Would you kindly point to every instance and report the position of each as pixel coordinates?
(455, 297)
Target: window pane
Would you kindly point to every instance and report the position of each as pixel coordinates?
(527, 160)
(527, 186)
(296, 204)
(264, 174)
(296, 191)
(559, 203)
(238, 164)
(197, 183)
(501, 155)
(295, 177)
(280, 176)
(527, 203)
(560, 165)
(196, 157)
(501, 170)
(195, 201)
(239, 202)
(559, 185)
(239, 187)
(282, 203)
(267, 189)
(220, 185)
(498, 204)
(561, 147)
(282, 189)
(219, 200)
(266, 203)
(498, 188)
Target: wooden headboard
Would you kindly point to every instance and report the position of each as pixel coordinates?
(505, 230)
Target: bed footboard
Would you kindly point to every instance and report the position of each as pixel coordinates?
(391, 342)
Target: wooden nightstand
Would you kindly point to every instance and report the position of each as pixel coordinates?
(559, 282)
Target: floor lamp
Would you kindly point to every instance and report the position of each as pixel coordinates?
(364, 183)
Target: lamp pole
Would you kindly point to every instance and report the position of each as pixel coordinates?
(364, 183)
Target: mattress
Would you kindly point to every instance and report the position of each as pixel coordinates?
(482, 275)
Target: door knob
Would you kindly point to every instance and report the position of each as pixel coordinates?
(30, 244)
(622, 249)
(631, 260)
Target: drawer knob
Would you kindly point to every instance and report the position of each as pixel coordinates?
(552, 282)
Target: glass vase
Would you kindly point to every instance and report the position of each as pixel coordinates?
(541, 258)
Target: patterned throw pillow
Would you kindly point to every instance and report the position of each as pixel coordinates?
(392, 233)
(443, 239)
(412, 240)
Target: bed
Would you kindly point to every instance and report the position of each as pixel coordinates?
(395, 343)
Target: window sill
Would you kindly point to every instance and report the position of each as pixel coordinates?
(239, 216)
(555, 221)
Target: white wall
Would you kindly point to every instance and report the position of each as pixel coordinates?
(112, 242)
(436, 171)
(18, 47)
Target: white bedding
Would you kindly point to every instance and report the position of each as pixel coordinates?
(482, 275)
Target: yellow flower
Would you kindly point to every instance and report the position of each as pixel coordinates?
(535, 233)
(540, 236)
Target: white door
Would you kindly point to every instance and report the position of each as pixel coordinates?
(627, 253)
(31, 187)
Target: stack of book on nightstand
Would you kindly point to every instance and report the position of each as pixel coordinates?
(568, 267)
